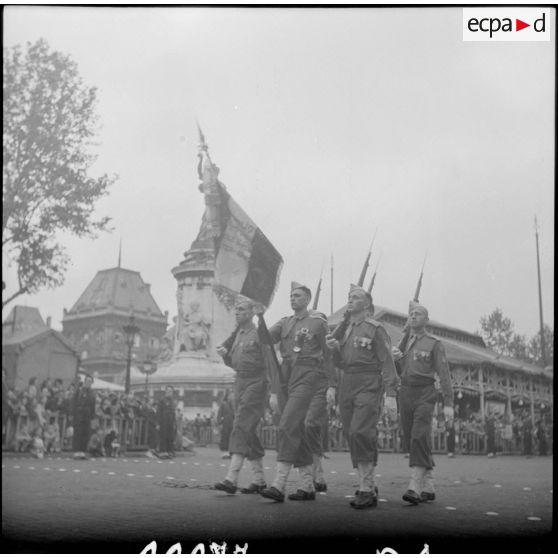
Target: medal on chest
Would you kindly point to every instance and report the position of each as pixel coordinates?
(363, 343)
(421, 356)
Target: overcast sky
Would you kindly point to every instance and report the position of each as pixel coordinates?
(326, 124)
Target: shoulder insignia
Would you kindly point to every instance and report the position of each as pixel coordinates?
(373, 322)
(318, 315)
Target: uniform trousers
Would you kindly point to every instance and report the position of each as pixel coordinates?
(82, 431)
(166, 434)
(316, 417)
(292, 442)
(360, 398)
(416, 407)
(250, 394)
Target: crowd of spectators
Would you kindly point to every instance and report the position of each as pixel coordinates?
(48, 408)
(39, 419)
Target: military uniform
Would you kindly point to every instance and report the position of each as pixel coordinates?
(423, 359)
(246, 358)
(245, 355)
(301, 371)
(368, 370)
(166, 419)
(83, 413)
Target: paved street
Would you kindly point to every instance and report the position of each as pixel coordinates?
(120, 505)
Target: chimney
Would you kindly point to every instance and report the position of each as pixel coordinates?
(48, 321)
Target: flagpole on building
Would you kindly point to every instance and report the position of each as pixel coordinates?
(543, 347)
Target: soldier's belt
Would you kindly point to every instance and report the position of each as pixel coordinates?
(418, 383)
(249, 374)
(361, 369)
(307, 361)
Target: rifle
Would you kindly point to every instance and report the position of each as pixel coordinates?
(366, 263)
(407, 328)
(341, 328)
(318, 291)
(374, 276)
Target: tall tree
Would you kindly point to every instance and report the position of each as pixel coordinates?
(50, 124)
(498, 333)
(534, 347)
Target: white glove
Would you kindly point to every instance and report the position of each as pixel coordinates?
(331, 342)
(221, 351)
(330, 396)
(274, 403)
(396, 353)
(448, 413)
(391, 403)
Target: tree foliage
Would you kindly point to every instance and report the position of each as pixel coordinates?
(499, 335)
(49, 124)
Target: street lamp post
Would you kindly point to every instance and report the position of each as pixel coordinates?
(130, 329)
(148, 367)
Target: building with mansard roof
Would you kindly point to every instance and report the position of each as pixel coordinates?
(482, 380)
(94, 323)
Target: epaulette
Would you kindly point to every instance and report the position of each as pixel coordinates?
(369, 320)
(316, 314)
(428, 334)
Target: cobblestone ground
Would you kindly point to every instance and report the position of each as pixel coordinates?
(120, 505)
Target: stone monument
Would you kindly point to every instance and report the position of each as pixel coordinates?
(205, 317)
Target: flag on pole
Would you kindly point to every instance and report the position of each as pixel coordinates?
(245, 260)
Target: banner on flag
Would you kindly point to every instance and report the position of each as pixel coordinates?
(246, 261)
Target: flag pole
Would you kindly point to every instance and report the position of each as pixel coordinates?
(543, 347)
(331, 280)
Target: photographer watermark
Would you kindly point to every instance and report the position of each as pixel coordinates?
(506, 24)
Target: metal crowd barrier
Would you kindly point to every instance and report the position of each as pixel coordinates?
(133, 434)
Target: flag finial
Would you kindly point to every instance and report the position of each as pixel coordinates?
(203, 145)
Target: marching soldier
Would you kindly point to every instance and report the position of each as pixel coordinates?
(316, 422)
(246, 358)
(423, 358)
(364, 356)
(305, 354)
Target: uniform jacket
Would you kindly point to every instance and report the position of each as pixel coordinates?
(423, 359)
(312, 344)
(166, 410)
(84, 403)
(246, 356)
(366, 347)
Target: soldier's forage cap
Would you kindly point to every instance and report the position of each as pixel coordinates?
(295, 286)
(416, 306)
(240, 299)
(357, 289)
